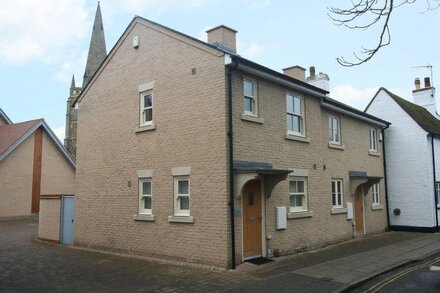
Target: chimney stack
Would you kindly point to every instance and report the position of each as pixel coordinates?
(425, 96)
(427, 82)
(321, 80)
(296, 72)
(417, 83)
(223, 37)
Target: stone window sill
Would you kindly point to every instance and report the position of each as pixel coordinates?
(181, 219)
(251, 118)
(376, 207)
(375, 154)
(145, 128)
(298, 215)
(297, 138)
(143, 217)
(336, 146)
(335, 211)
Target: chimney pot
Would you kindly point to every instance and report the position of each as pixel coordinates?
(417, 83)
(312, 71)
(223, 37)
(427, 82)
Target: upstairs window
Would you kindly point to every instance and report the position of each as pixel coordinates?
(295, 115)
(373, 140)
(146, 108)
(334, 130)
(250, 97)
(337, 194)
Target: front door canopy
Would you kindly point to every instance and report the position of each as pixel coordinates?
(357, 178)
(250, 170)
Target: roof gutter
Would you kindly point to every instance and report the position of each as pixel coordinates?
(352, 114)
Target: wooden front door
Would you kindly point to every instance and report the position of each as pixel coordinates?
(359, 211)
(252, 218)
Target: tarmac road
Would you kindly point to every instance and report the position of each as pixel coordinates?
(423, 276)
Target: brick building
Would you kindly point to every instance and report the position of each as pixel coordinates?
(188, 151)
(32, 162)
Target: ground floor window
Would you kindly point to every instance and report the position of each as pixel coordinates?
(437, 192)
(181, 196)
(145, 196)
(376, 194)
(298, 194)
(337, 194)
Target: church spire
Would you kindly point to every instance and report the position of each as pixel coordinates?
(72, 84)
(97, 50)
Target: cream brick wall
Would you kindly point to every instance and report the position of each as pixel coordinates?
(16, 180)
(49, 219)
(267, 143)
(57, 175)
(190, 119)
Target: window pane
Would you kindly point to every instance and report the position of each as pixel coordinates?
(248, 104)
(296, 124)
(339, 199)
(296, 200)
(333, 187)
(184, 202)
(297, 105)
(148, 101)
(334, 199)
(300, 186)
(289, 122)
(148, 115)
(248, 88)
(289, 103)
(339, 187)
(292, 186)
(146, 188)
(183, 186)
(251, 200)
(147, 203)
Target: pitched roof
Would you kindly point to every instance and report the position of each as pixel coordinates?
(418, 113)
(12, 135)
(237, 58)
(5, 117)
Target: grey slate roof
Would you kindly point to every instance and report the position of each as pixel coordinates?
(418, 113)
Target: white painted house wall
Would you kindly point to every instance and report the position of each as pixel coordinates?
(437, 166)
(409, 165)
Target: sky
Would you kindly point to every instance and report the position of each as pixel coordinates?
(42, 43)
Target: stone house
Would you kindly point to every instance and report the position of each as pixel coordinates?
(186, 150)
(412, 157)
(32, 162)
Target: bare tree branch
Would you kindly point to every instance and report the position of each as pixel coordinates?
(364, 14)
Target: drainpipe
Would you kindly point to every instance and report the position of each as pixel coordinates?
(385, 175)
(433, 174)
(231, 163)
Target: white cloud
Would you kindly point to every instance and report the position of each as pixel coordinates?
(359, 98)
(41, 30)
(60, 132)
(69, 66)
(251, 50)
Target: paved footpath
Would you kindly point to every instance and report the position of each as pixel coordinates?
(29, 266)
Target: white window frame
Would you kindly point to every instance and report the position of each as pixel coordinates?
(437, 192)
(143, 108)
(334, 138)
(253, 98)
(295, 114)
(373, 140)
(304, 206)
(375, 192)
(177, 196)
(142, 196)
(338, 190)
